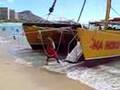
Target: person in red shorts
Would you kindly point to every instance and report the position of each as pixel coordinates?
(51, 52)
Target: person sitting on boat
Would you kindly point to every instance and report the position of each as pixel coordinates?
(51, 52)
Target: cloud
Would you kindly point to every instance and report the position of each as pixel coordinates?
(7, 1)
(10, 1)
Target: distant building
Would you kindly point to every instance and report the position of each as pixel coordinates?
(4, 13)
(16, 16)
(11, 14)
(8, 14)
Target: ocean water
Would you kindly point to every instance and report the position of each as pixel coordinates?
(20, 48)
(101, 77)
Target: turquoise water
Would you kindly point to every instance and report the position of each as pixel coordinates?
(11, 29)
(20, 49)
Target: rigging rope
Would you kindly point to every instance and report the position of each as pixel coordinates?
(115, 11)
(60, 40)
(71, 43)
(81, 10)
(83, 6)
(84, 3)
(43, 45)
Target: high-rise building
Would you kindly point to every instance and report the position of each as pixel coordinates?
(8, 14)
(16, 16)
(4, 13)
(11, 14)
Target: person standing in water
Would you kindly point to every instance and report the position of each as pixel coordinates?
(51, 52)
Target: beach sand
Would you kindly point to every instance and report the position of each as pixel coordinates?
(14, 76)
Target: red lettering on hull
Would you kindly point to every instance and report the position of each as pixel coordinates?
(96, 44)
(112, 45)
(106, 45)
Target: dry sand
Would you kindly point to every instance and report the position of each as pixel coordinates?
(14, 76)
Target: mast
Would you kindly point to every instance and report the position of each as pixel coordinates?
(108, 7)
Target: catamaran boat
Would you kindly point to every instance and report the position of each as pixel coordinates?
(61, 35)
(95, 44)
(98, 44)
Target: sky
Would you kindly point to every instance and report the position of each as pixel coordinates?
(64, 9)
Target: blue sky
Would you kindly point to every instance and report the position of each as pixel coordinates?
(64, 9)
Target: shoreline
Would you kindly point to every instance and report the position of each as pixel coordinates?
(15, 76)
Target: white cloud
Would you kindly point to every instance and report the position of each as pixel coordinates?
(10, 0)
(7, 1)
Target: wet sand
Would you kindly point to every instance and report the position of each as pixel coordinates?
(17, 77)
(14, 76)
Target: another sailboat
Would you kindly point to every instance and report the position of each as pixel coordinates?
(97, 44)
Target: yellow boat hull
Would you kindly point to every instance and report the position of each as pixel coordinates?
(99, 44)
